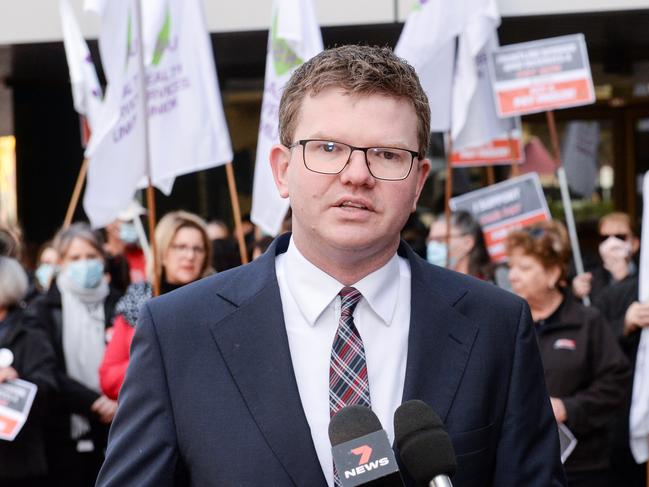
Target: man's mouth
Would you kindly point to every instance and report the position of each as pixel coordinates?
(352, 204)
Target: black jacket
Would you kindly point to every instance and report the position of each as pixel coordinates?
(585, 368)
(35, 362)
(45, 313)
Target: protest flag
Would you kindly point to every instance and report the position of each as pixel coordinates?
(86, 90)
(474, 118)
(293, 38)
(427, 42)
(116, 150)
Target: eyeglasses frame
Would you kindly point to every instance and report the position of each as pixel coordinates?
(353, 148)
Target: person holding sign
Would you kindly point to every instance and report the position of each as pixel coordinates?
(586, 373)
(25, 354)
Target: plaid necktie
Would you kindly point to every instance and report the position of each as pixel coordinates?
(348, 383)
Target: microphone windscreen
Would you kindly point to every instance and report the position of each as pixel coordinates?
(352, 422)
(425, 447)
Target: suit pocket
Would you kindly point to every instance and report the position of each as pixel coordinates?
(472, 441)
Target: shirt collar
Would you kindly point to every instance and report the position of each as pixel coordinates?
(314, 289)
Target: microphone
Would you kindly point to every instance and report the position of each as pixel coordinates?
(361, 451)
(425, 447)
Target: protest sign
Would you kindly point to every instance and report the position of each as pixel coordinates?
(541, 75)
(16, 398)
(503, 150)
(503, 207)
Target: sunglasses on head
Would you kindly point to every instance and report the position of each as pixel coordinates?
(620, 236)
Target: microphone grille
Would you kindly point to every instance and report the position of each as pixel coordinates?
(425, 447)
(352, 422)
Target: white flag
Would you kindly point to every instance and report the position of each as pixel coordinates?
(116, 147)
(474, 118)
(187, 127)
(86, 90)
(427, 42)
(294, 37)
(639, 416)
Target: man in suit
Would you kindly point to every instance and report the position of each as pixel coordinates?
(233, 379)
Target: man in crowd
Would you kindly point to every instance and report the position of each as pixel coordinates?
(617, 250)
(233, 379)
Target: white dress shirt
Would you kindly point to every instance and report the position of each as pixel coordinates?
(311, 309)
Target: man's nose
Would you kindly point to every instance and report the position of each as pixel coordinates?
(356, 171)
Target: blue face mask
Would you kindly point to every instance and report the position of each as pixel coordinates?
(85, 274)
(44, 274)
(128, 233)
(436, 253)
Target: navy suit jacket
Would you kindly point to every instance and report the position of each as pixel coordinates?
(210, 397)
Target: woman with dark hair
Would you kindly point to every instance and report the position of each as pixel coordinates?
(25, 354)
(586, 373)
(466, 251)
(184, 255)
(75, 313)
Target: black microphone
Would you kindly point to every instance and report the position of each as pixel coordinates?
(361, 451)
(425, 447)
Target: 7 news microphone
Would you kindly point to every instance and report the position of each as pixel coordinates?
(424, 446)
(361, 451)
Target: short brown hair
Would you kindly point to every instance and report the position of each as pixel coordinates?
(165, 232)
(359, 70)
(547, 242)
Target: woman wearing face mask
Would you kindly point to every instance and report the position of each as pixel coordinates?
(466, 251)
(184, 255)
(586, 373)
(75, 312)
(48, 261)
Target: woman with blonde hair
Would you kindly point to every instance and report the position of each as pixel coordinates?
(183, 255)
(586, 373)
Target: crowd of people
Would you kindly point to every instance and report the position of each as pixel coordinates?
(70, 323)
(254, 362)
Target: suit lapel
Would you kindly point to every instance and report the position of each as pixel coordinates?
(440, 338)
(254, 345)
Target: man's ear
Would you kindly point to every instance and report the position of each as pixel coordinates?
(280, 157)
(423, 168)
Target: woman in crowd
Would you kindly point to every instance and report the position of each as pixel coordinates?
(586, 373)
(466, 251)
(24, 354)
(184, 255)
(75, 313)
(47, 265)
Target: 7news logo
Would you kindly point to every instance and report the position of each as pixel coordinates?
(364, 452)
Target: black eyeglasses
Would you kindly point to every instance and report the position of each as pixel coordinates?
(331, 157)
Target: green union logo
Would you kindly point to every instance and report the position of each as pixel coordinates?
(162, 42)
(284, 58)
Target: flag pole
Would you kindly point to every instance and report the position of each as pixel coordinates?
(74, 200)
(565, 197)
(150, 195)
(510, 141)
(236, 212)
(448, 192)
(491, 175)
